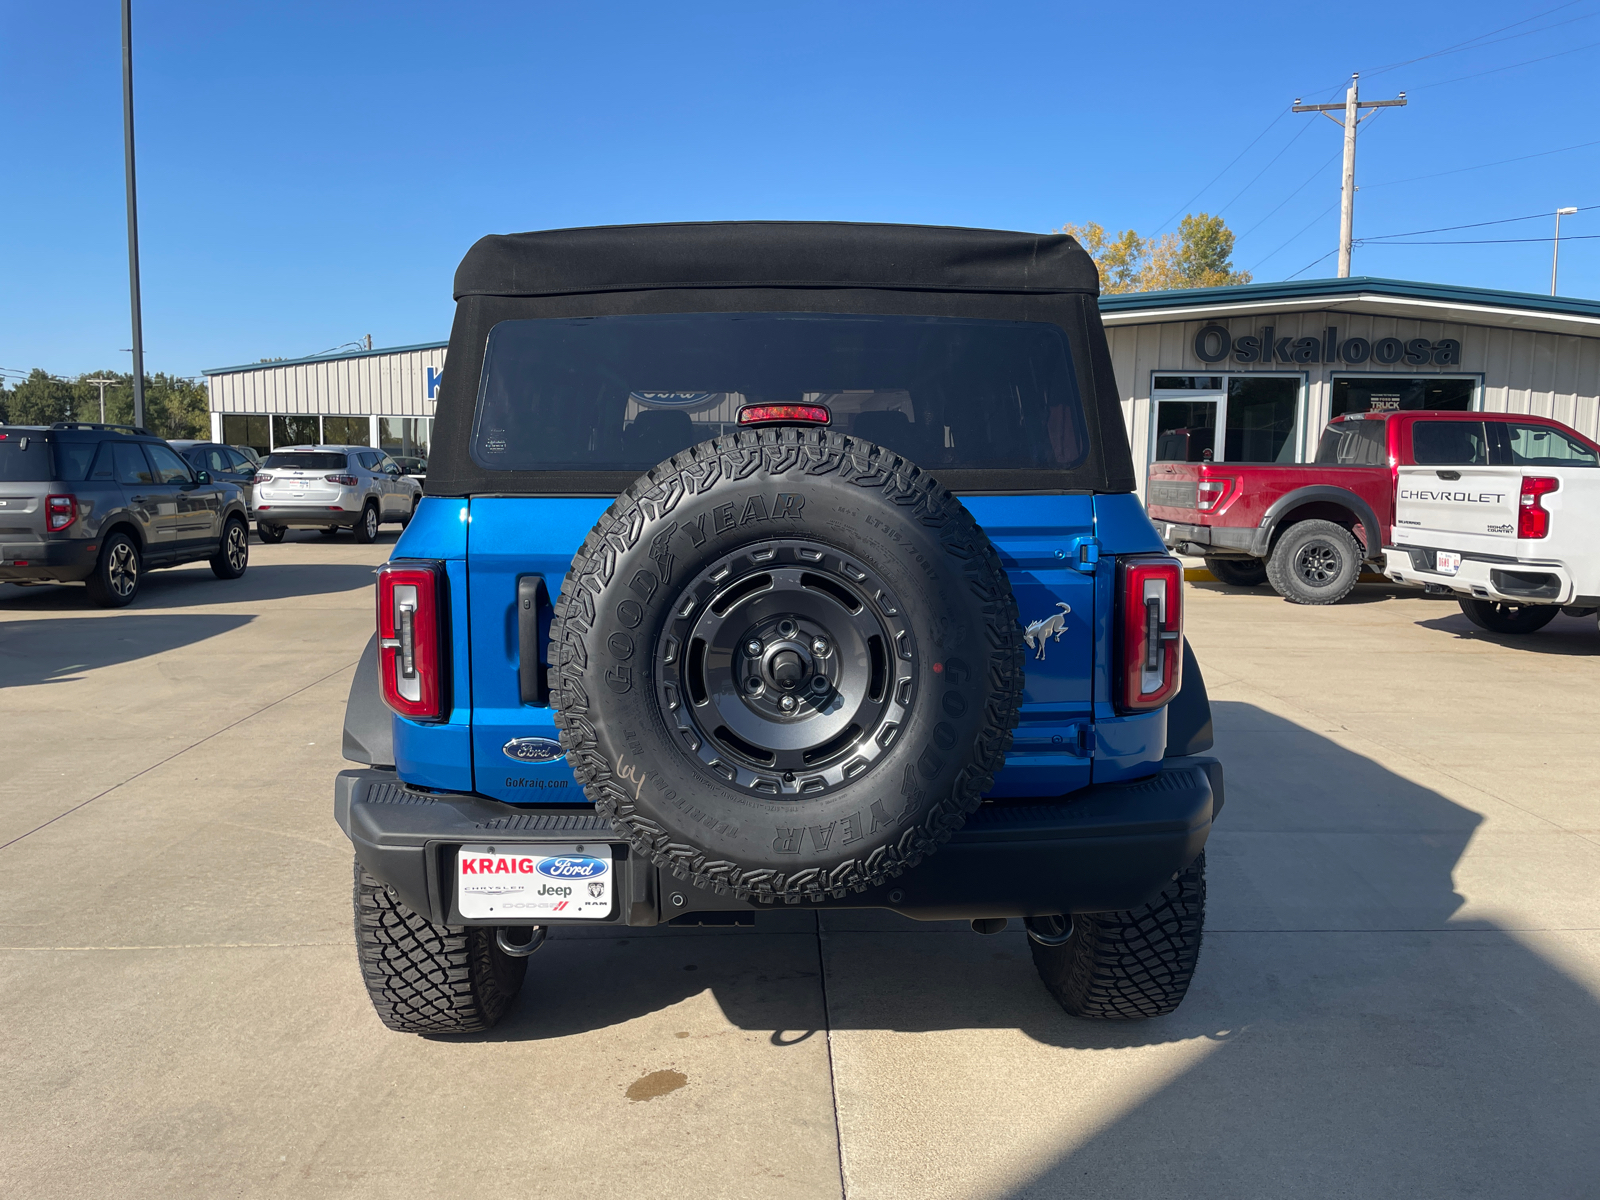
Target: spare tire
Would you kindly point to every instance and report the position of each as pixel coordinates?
(786, 664)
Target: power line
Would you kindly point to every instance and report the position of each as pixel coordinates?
(1475, 225)
(1496, 70)
(1296, 237)
(1264, 169)
(1222, 172)
(1479, 42)
(1499, 162)
(1312, 263)
(1570, 237)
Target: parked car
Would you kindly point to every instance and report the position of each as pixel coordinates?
(228, 464)
(651, 655)
(1515, 538)
(102, 504)
(331, 488)
(1308, 529)
(411, 465)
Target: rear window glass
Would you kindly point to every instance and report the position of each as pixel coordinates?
(1354, 444)
(25, 458)
(306, 461)
(1450, 444)
(1541, 446)
(625, 392)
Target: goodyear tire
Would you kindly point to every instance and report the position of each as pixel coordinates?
(787, 665)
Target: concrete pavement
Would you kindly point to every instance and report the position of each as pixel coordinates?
(1398, 994)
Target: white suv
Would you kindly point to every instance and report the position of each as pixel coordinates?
(331, 488)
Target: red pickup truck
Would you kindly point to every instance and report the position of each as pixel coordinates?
(1307, 528)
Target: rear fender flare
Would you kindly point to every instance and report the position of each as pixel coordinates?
(1318, 493)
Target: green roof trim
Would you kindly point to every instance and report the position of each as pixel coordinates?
(1328, 289)
(324, 358)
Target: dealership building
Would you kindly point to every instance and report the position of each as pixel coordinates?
(1237, 374)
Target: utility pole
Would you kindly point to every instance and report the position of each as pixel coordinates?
(133, 211)
(1555, 254)
(1347, 195)
(102, 383)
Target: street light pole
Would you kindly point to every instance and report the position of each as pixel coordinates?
(102, 383)
(133, 211)
(1555, 253)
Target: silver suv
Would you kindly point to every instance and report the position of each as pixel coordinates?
(331, 488)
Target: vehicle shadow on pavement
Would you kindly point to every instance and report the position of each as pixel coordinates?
(62, 649)
(192, 586)
(1565, 635)
(1349, 1034)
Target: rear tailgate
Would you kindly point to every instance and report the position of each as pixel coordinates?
(1461, 509)
(512, 539)
(26, 467)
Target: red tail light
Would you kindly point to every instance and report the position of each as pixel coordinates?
(410, 638)
(764, 414)
(1150, 631)
(1533, 520)
(343, 480)
(262, 477)
(60, 512)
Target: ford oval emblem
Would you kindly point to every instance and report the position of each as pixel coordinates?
(571, 866)
(534, 750)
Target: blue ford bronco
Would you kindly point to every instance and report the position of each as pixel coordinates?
(777, 564)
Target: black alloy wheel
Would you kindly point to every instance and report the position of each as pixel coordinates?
(1315, 562)
(787, 670)
(1497, 616)
(233, 556)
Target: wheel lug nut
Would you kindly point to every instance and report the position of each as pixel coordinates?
(787, 704)
(752, 647)
(819, 646)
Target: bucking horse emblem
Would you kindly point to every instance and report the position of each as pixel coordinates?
(1052, 626)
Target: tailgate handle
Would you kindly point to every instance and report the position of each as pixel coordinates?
(1448, 474)
(533, 610)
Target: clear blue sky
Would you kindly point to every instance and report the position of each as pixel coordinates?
(312, 172)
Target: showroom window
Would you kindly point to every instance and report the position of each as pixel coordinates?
(253, 431)
(1226, 418)
(346, 431)
(1384, 393)
(406, 436)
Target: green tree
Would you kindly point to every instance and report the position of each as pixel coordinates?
(174, 407)
(40, 399)
(1199, 255)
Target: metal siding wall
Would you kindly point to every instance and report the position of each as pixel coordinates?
(1547, 374)
(385, 385)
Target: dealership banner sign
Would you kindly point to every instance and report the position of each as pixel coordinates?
(1214, 343)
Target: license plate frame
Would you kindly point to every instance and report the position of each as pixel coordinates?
(537, 882)
(1446, 562)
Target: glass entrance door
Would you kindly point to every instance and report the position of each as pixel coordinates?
(1186, 417)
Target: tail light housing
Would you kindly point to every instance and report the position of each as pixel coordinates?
(1209, 493)
(411, 628)
(60, 512)
(1533, 519)
(342, 480)
(1149, 631)
(261, 477)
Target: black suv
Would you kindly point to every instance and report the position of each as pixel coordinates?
(103, 503)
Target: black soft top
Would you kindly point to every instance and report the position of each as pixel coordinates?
(776, 266)
(811, 254)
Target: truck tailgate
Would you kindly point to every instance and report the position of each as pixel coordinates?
(1458, 508)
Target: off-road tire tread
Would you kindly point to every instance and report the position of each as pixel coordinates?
(1280, 563)
(1129, 966)
(810, 453)
(1238, 572)
(427, 978)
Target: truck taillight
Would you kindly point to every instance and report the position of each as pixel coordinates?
(1209, 493)
(1150, 631)
(60, 512)
(410, 638)
(1533, 520)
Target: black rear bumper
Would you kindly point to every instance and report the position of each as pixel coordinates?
(1104, 849)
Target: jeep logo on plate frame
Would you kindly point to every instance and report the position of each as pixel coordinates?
(533, 750)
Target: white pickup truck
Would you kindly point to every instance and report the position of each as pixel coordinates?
(1515, 534)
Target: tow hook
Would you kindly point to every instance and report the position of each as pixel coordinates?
(521, 950)
(1049, 931)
